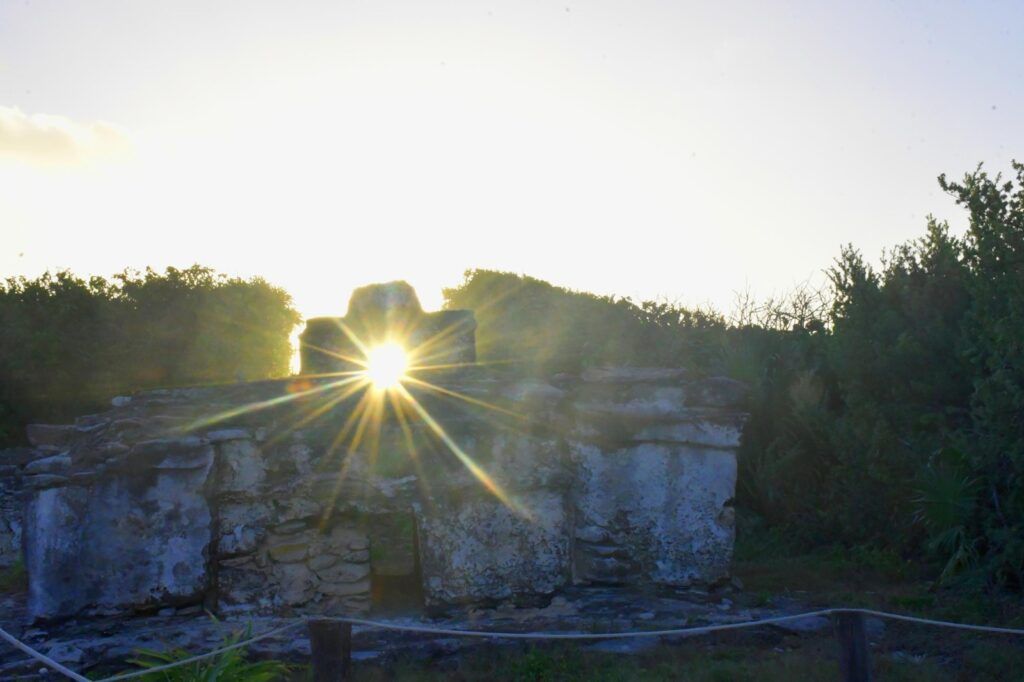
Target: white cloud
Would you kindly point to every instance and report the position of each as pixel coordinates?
(57, 140)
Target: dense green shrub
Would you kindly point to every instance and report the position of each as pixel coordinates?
(993, 344)
(886, 411)
(537, 327)
(68, 345)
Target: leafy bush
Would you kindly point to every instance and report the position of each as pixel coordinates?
(862, 396)
(68, 345)
(540, 328)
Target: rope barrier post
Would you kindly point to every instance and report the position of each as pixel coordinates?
(331, 646)
(854, 658)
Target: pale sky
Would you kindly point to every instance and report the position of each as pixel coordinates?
(681, 150)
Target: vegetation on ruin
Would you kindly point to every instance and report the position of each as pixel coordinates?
(68, 344)
(885, 410)
(230, 666)
(13, 578)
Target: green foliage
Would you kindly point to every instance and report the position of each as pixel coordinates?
(230, 666)
(541, 328)
(539, 663)
(699, 659)
(885, 411)
(14, 578)
(993, 333)
(945, 507)
(68, 344)
(846, 433)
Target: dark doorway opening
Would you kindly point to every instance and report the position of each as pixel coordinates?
(396, 579)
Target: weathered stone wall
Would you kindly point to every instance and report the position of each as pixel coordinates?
(244, 498)
(11, 512)
(317, 494)
(379, 313)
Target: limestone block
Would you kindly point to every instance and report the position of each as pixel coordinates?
(345, 538)
(43, 481)
(301, 454)
(242, 585)
(107, 451)
(322, 561)
(55, 464)
(382, 299)
(630, 375)
(243, 526)
(296, 508)
(118, 545)
(345, 589)
(239, 540)
(394, 493)
(357, 556)
(649, 393)
(190, 452)
(344, 573)
(653, 513)
(243, 468)
(708, 428)
(716, 392)
(287, 549)
(343, 492)
(194, 459)
(221, 435)
(356, 604)
(294, 584)
(634, 401)
(289, 527)
(532, 396)
(479, 549)
(50, 435)
(516, 462)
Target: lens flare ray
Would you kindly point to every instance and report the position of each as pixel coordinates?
(264, 404)
(481, 475)
(462, 396)
(381, 377)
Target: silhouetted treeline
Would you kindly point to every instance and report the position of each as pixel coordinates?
(67, 345)
(535, 327)
(886, 411)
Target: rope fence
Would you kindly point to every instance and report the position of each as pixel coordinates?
(313, 622)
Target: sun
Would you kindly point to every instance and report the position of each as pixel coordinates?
(386, 365)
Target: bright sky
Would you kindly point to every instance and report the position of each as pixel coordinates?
(655, 149)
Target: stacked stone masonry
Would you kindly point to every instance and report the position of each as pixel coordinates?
(243, 498)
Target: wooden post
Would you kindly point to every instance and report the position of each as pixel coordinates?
(854, 658)
(331, 645)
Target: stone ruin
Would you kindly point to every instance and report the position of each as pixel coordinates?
(382, 312)
(259, 498)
